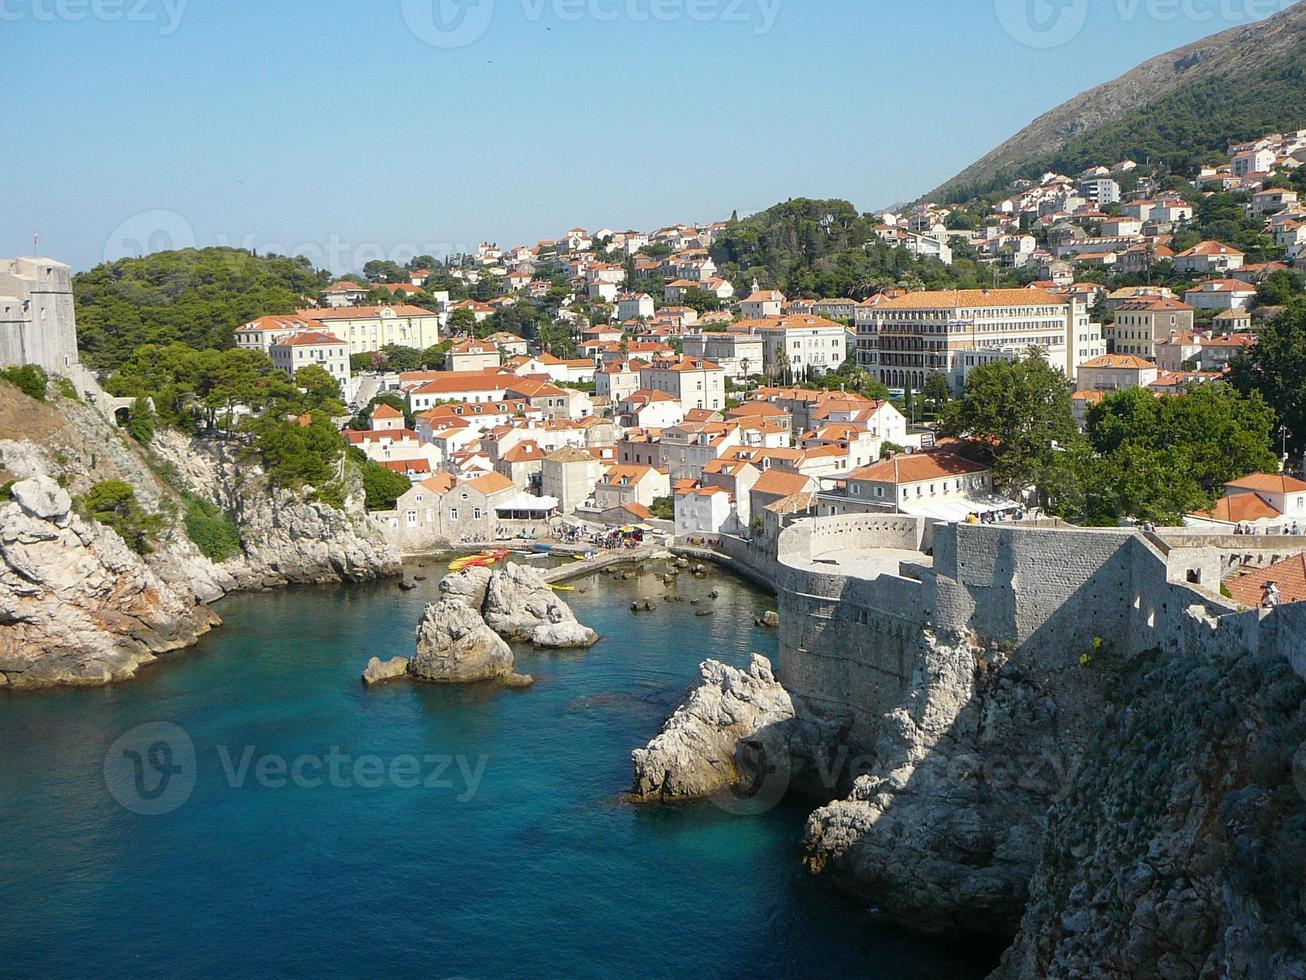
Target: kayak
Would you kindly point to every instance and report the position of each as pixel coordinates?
(482, 560)
(563, 588)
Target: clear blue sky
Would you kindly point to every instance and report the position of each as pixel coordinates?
(335, 125)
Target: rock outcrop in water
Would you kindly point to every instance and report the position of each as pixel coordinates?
(379, 671)
(455, 646)
(521, 607)
(77, 606)
(695, 753)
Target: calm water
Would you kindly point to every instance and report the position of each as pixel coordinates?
(532, 867)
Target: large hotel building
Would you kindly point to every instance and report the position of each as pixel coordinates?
(951, 332)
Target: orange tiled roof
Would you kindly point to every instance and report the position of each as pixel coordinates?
(1289, 575)
(1268, 483)
(915, 468)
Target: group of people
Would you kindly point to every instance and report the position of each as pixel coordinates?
(1294, 530)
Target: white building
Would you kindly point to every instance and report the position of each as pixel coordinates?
(634, 306)
(300, 350)
(369, 328)
(692, 381)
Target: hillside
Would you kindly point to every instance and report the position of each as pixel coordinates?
(1235, 85)
(196, 296)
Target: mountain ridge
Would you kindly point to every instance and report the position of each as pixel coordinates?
(1240, 52)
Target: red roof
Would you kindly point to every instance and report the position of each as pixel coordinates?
(916, 468)
(1289, 575)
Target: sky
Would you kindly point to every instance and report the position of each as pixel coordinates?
(347, 131)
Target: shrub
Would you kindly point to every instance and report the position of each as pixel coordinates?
(382, 486)
(7, 490)
(333, 495)
(30, 379)
(113, 503)
(215, 534)
(66, 388)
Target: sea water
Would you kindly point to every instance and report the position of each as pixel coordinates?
(317, 828)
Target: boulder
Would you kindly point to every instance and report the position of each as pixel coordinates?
(455, 646)
(520, 606)
(694, 755)
(769, 619)
(378, 671)
(564, 636)
(43, 498)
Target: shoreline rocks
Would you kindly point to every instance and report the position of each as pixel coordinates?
(81, 608)
(379, 671)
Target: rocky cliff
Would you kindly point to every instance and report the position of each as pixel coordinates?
(77, 606)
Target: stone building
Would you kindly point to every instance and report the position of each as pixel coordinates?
(37, 322)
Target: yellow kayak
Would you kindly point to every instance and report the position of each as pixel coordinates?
(563, 588)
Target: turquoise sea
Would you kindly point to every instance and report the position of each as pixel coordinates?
(325, 830)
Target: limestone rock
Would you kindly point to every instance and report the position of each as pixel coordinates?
(469, 585)
(564, 636)
(43, 499)
(455, 646)
(694, 755)
(378, 671)
(520, 606)
(769, 619)
(77, 605)
(944, 832)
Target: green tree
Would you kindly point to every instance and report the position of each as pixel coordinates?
(382, 486)
(399, 358)
(1276, 369)
(1018, 415)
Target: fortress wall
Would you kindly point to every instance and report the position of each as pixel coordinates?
(849, 646)
(857, 531)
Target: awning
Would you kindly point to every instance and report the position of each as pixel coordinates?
(525, 502)
(955, 510)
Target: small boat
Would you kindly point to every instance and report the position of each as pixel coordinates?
(483, 559)
(563, 588)
(542, 549)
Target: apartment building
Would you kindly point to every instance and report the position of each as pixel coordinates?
(1142, 324)
(907, 339)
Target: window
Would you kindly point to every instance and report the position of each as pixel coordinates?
(453, 513)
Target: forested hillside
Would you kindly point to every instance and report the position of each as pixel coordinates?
(195, 296)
